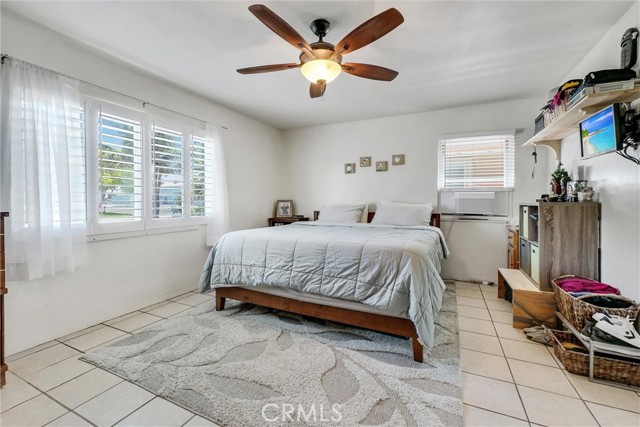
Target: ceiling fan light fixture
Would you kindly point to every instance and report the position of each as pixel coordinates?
(320, 62)
(320, 69)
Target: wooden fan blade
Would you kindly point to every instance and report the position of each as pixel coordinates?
(316, 90)
(368, 71)
(278, 26)
(267, 68)
(371, 30)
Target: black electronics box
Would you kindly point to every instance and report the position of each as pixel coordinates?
(607, 76)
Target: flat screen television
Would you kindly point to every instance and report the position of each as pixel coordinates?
(602, 133)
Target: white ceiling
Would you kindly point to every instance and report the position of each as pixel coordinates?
(448, 53)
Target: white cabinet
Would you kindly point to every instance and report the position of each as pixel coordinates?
(534, 260)
(524, 222)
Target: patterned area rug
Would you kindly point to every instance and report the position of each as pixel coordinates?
(250, 366)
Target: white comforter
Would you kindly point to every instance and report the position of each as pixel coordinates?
(395, 269)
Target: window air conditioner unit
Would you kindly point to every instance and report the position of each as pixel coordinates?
(475, 203)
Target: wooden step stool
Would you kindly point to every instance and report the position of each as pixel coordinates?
(531, 306)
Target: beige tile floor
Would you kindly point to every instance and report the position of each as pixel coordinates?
(48, 385)
(507, 380)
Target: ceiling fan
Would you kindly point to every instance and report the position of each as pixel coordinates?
(321, 62)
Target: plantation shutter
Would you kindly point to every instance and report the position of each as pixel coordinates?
(202, 176)
(167, 158)
(119, 168)
(75, 134)
(477, 162)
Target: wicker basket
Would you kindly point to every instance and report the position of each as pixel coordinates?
(576, 311)
(622, 370)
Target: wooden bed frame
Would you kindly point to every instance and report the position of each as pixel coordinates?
(376, 322)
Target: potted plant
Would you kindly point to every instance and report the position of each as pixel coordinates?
(559, 180)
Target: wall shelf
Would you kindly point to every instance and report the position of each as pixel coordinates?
(567, 124)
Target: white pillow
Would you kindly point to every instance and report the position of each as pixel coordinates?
(342, 213)
(427, 206)
(387, 202)
(403, 214)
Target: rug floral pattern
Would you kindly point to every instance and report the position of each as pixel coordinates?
(250, 365)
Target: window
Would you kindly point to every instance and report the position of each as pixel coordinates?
(140, 185)
(477, 162)
(81, 166)
(167, 158)
(119, 168)
(201, 159)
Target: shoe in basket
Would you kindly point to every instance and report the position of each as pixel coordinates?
(619, 327)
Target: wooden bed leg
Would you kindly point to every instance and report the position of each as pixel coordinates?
(417, 350)
(220, 303)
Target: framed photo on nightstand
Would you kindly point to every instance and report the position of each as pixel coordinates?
(284, 208)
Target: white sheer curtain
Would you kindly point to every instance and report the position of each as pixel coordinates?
(42, 174)
(218, 219)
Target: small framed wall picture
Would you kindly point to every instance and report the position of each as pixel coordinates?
(382, 166)
(397, 159)
(349, 168)
(365, 162)
(284, 208)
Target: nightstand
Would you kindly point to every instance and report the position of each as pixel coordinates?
(284, 221)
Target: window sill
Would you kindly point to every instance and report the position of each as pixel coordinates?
(474, 218)
(476, 190)
(141, 233)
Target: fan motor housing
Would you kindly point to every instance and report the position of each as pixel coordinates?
(320, 27)
(321, 50)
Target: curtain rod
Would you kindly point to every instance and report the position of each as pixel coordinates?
(144, 103)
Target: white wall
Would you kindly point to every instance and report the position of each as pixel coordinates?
(615, 180)
(126, 274)
(316, 158)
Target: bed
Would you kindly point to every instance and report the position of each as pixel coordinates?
(384, 278)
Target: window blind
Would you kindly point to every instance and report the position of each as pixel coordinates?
(477, 162)
(202, 176)
(119, 168)
(167, 157)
